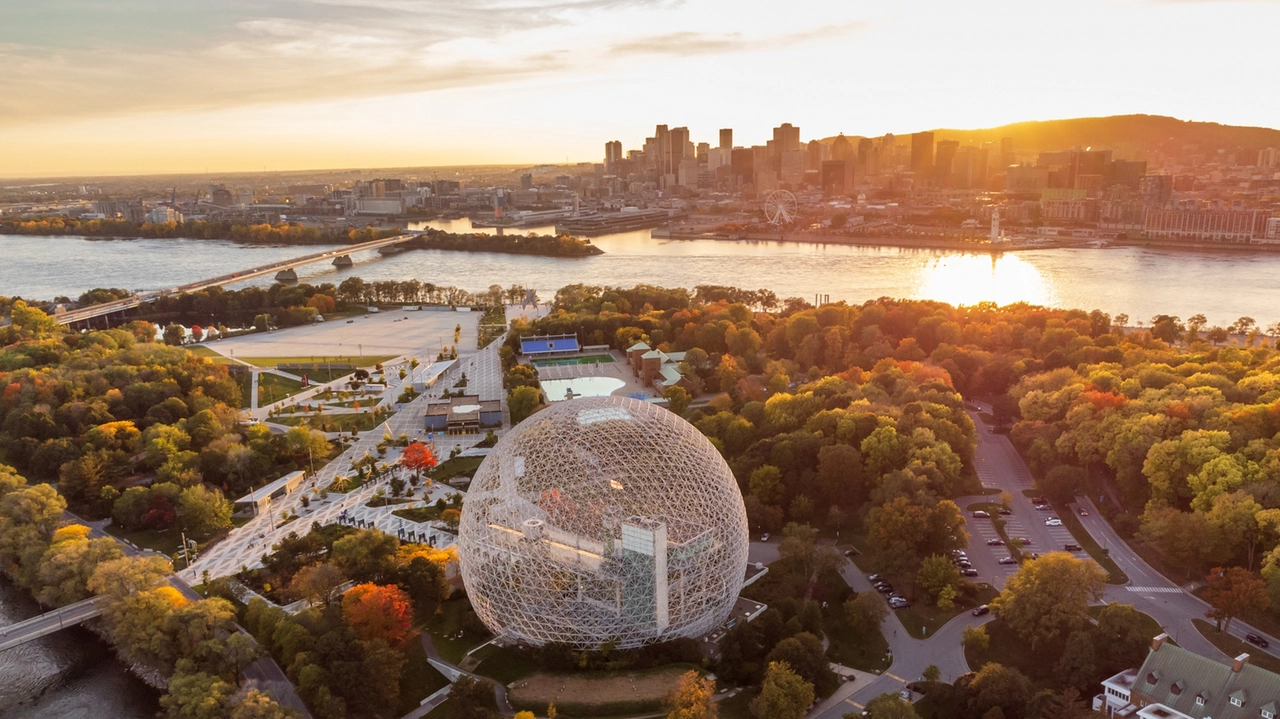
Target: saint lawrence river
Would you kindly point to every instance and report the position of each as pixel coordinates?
(1138, 282)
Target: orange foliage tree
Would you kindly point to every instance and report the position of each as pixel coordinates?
(377, 611)
(418, 457)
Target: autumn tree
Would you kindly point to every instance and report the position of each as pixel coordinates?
(378, 612)
(1049, 597)
(521, 402)
(783, 694)
(940, 579)
(995, 686)
(1232, 592)
(888, 706)
(678, 399)
(693, 697)
(317, 583)
(865, 612)
(418, 458)
(975, 639)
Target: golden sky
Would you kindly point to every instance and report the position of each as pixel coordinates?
(144, 86)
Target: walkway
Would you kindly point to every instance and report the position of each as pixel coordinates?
(69, 616)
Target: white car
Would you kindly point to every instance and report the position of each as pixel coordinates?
(1054, 522)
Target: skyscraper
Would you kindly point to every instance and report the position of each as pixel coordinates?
(786, 138)
(942, 163)
(922, 155)
(612, 154)
(726, 138)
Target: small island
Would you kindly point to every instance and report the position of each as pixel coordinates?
(547, 245)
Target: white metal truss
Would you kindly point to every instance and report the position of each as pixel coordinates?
(603, 519)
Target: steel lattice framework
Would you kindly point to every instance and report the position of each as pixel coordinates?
(603, 519)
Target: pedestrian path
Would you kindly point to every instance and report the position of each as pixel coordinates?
(1154, 590)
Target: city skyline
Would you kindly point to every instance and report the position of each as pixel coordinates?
(360, 83)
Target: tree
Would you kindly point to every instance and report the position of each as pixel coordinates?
(39, 506)
(426, 582)
(305, 443)
(931, 673)
(937, 575)
(451, 518)
(1078, 665)
(766, 484)
(995, 686)
(804, 654)
(1120, 641)
(203, 511)
(174, 334)
(1050, 596)
(64, 570)
(783, 695)
(692, 698)
(889, 706)
(366, 555)
(197, 696)
(472, 699)
(259, 705)
(975, 639)
(418, 458)
(120, 578)
(678, 399)
(522, 401)
(378, 612)
(865, 612)
(1232, 592)
(318, 583)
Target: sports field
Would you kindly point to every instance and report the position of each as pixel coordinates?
(562, 361)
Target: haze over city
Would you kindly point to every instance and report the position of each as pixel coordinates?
(151, 86)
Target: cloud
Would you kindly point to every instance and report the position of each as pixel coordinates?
(687, 44)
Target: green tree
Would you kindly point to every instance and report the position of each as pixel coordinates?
(931, 673)
(766, 484)
(804, 654)
(995, 686)
(678, 399)
(259, 705)
(366, 555)
(975, 639)
(1120, 641)
(1078, 665)
(783, 695)
(888, 706)
(174, 334)
(203, 511)
(1049, 597)
(939, 574)
(71, 559)
(472, 699)
(38, 506)
(522, 401)
(197, 696)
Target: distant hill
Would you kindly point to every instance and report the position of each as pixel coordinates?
(1119, 132)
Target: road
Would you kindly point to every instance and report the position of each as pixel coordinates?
(16, 634)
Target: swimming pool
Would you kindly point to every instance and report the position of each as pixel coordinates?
(557, 389)
(561, 362)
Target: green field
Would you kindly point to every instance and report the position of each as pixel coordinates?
(271, 388)
(589, 359)
(202, 351)
(362, 421)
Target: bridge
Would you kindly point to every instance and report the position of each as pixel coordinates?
(49, 622)
(283, 269)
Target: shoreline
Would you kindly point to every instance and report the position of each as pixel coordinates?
(937, 243)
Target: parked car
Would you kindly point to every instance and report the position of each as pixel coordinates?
(850, 552)
(1039, 500)
(764, 537)
(994, 542)
(964, 565)
(1005, 511)
(980, 514)
(979, 611)
(1257, 641)
(1071, 547)
(1024, 541)
(1043, 507)
(1053, 522)
(884, 588)
(899, 603)
(970, 572)
(1008, 560)
(873, 578)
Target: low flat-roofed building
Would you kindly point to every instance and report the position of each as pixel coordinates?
(259, 500)
(463, 414)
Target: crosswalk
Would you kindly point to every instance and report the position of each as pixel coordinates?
(1154, 590)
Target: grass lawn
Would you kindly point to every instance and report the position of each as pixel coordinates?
(504, 665)
(419, 514)
(1147, 625)
(599, 692)
(738, 706)
(167, 542)
(456, 467)
(362, 421)
(589, 359)
(271, 387)
(445, 626)
(922, 619)
(418, 679)
(1233, 647)
(854, 649)
(1087, 542)
(366, 361)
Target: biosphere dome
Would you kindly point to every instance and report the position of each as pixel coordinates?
(603, 519)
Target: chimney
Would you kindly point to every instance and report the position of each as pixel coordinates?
(1158, 641)
(1238, 663)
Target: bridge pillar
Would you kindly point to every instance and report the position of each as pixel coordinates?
(287, 276)
(342, 261)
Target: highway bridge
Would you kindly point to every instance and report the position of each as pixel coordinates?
(337, 256)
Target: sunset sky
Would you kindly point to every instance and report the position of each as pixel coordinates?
(141, 86)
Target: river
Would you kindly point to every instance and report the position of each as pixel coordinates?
(1138, 282)
(71, 674)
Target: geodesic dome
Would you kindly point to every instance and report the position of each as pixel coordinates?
(603, 519)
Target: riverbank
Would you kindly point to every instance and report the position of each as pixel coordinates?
(973, 245)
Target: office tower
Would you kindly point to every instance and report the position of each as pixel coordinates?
(867, 161)
(841, 148)
(726, 138)
(942, 163)
(612, 154)
(1007, 157)
(526, 181)
(742, 162)
(786, 138)
(922, 155)
(704, 152)
(817, 153)
(837, 177)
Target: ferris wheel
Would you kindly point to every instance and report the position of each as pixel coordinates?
(780, 207)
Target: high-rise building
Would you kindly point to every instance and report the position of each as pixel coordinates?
(742, 162)
(922, 155)
(726, 138)
(1268, 158)
(942, 162)
(526, 181)
(1007, 156)
(817, 153)
(868, 162)
(612, 154)
(837, 177)
(842, 148)
(786, 138)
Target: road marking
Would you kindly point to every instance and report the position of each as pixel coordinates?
(895, 676)
(1155, 590)
(856, 704)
